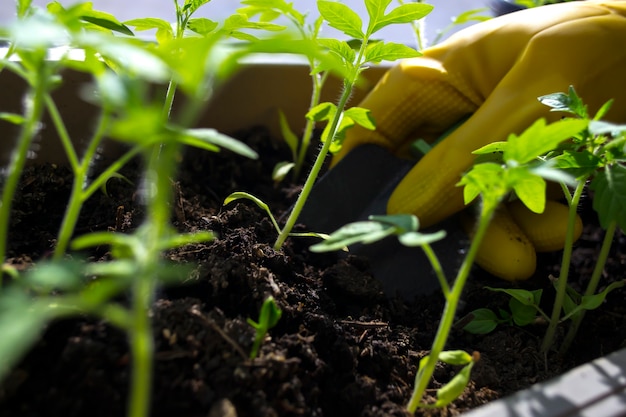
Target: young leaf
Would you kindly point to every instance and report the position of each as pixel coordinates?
(14, 118)
(107, 21)
(451, 391)
(529, 298)
(213, 137)
(405, 13)
(455, 357)
(281, 170)
(486, 179)
(609, 200)
(522, 314)
(541, 138)
(591, 302)
(238, 195)
(381, 51)
(357, 232)
(579, 164)
(202, 26)
(289, 137)
(362, 117)
(569, 103)
(342, 18)
(484, 321)
(530, 189)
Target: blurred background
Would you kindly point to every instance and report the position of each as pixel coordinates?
(439, 19)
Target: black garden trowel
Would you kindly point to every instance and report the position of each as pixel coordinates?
(360, 186)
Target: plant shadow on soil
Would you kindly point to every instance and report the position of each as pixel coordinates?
(341, 347)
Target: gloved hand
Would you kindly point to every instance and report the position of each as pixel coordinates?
(494, 71)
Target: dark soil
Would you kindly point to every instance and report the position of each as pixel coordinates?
(341, 347)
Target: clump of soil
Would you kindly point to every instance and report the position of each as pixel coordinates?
(341, 347)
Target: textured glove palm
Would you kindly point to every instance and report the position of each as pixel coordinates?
(494, 72)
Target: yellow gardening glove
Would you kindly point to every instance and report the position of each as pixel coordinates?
(494, 71)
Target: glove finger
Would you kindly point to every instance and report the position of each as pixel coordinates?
(547, 230)
(413, 98)
(505, 251)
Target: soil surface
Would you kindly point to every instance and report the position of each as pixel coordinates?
(341, 347)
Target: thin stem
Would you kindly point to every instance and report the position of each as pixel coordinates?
(349, 84)
(318, 82)
(436, 265)
(315, 170)
(59, 125)
(591, 286)
(425, 374)
(561, 290)
(34, 112)
(81, 170)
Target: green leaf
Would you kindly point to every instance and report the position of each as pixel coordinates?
(529, 298)
(16, 119)
(523, 314)
(569, 103)
(340, 48)
(182, 239)
(21, 322)
(357, 232)
(49, 276)
(22, 7)
(485, 179)
(471, 16)
(453, 389)
(149, 23)
(363, 117)
(240, 195)
(405, 13)
(381, 51)
(289, 137)
(213, 137)
(342, 18)
(455, 357)
(491, 148)
(164, 31)
(609, 199)
(589, 302)
(412, 239)
(579, 164)
(540, 138)
(530, 189)
(484, 321)
(321, 112)
(401, 222)
(107, 21)
(202, 26)
(281, 170)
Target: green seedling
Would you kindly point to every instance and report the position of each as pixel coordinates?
(455, 387)
(596, 154)
(268, 317)
(523, 310)
(125, 72)
(522, 170)
(354, 62)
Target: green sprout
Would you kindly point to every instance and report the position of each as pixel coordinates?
(352, 62)
(268, 317)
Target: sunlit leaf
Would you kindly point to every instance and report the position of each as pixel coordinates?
(405, 13)
(389, 51)
(342, 18)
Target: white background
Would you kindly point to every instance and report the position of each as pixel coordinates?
(219, 9)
